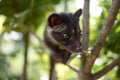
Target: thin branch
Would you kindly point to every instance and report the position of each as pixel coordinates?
(66, 5)
(106, 27)
(106, 69)
(73, 68)
(26, 43)
(103, 34)
(85, 37)
(40, 40)
(85, 22)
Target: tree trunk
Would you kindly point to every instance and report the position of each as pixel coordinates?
(26, 43)
(87, 61)
(52, 75)
(85, 40)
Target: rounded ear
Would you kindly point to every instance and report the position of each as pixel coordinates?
(78, 13)
(54, 19)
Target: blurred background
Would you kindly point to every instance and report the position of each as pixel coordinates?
(22, 23)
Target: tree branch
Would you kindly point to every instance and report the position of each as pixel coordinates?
(40, 41)
(85, 22)
(26, 44)
(102, 35)
(73, 68)
(85, 36)
(106, 69)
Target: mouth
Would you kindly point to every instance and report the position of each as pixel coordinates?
(76, 50)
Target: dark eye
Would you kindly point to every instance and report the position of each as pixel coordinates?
(66, 36)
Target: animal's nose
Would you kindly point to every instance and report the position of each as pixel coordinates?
(78, 49)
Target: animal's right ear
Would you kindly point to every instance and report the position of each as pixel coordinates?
(54, 19)
(78, 13)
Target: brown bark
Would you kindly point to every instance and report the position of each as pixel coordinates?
(85, 40)
(114, 9)
(85, 22)
(26, 43)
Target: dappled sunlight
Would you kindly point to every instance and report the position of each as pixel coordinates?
(2, 20)
(13, 36)
(63, 70)
(7, 47)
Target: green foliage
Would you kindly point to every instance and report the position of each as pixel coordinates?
(113, 43)
(3, 67)
(118, 72)
(20, 16)
(21, 12)
(99, 21)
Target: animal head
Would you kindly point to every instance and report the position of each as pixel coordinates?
(65, 30)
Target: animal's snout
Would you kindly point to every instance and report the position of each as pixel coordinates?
(78, 49)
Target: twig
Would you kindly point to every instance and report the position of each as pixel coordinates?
(106, 69)
(103, 34)
(40, 41)
(73, 68)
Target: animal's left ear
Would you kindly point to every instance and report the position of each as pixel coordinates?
(78, 13)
